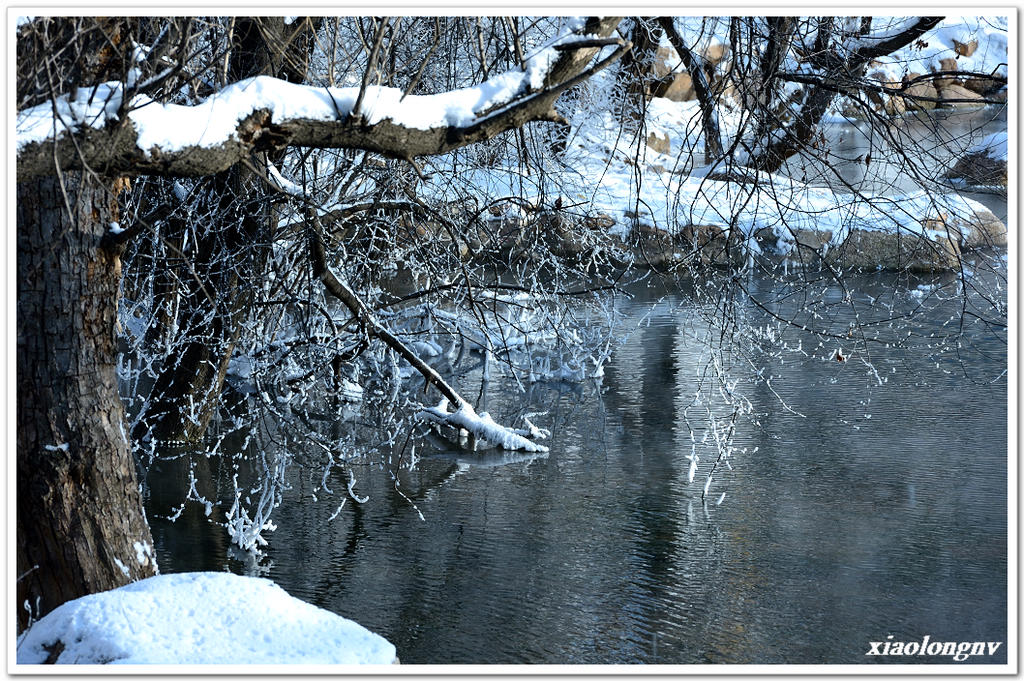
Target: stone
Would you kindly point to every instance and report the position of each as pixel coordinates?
(895, 106)
(953, 97)
(980, 230)
(891, 105)
(711, 245)
(965, 49)
(871, 250)
(659, 143)
(654, 247)
(678, 88)
(942, 82)
(979, 169)
(601, 221)
(982, 85)
(715, 53)
(920, 88)
(895, 251)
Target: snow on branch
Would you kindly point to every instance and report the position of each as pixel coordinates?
(892, 37)
(465, 417)
(483, 426)
(142, 136)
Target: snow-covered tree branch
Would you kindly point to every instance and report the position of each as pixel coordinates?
(98, 128)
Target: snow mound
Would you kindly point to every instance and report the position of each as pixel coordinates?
(200, 618)
(993, 146)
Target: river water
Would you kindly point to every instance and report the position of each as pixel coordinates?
(867, 510)
(867, 499)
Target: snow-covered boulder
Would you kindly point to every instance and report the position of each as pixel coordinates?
(198, 618)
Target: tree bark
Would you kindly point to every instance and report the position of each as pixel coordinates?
(81, 527)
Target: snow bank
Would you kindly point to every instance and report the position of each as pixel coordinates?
(200, 618)
(671, 201)
(782, 205)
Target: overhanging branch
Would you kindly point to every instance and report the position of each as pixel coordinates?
(114, 150)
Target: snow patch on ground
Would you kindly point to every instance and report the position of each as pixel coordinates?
(200, 618)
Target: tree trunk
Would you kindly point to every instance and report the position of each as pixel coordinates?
(81, 527)
(637, 67)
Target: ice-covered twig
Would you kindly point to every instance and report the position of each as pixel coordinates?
(532, 431)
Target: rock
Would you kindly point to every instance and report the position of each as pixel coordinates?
(869, 250)
(942, 82)
(659, 143)
(895, 106)
(713, 245)
(902, 251)
(601, 221)
(982, 85)
(891, 105)
(654, 247)
(982, 229)
(692, 244)
(965, 49)
(953, 97)
(920, 88)
(716, 53)
(979, 169)
(678, 88)
(894, 251)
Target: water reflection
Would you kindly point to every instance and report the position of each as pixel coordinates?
(867, 509)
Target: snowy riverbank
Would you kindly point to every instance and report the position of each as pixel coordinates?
(199, 618)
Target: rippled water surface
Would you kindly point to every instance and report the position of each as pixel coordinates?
(866, 510)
